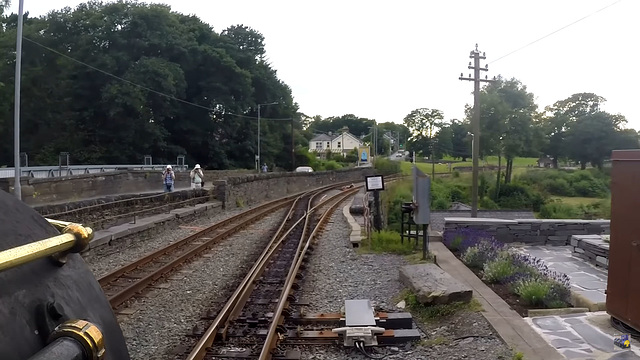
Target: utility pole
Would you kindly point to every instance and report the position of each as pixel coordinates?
(17, 187)
(293, 149)
(476, 56)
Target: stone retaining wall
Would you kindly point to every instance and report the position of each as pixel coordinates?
(592, 248)
(530, 231)
(239, 191)
(85, 186)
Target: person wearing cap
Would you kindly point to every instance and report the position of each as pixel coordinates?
(197, 177)
(168, 178)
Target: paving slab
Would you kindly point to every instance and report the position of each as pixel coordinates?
(583, 336)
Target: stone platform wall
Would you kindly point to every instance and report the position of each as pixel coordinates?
(78, 187)
(238, 191)
(530, 231)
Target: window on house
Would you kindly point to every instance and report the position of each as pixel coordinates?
(328, 144)
(339, 144)
(318, 145)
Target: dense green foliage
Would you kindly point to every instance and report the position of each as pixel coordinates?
(532, 190)
(568, 183)
(171, 86)
(574, 129)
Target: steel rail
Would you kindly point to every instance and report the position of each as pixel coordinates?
(271, 340)
(128, 292)
(237, 301)
(109, 277)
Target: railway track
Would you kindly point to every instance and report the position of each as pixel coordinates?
(124, 283)
(254, 315)
(112, 213)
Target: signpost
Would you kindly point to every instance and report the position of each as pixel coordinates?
(375, 184)
(419, 211)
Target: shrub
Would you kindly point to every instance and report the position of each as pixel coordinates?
(519, 196)
(485, 251)
(386, 166)
(499, 270)
(559, 210)
(488, 204)
(332, 165)
(455, 173)
(462, 239)
(533, 290)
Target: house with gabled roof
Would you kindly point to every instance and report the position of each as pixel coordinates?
(337, 143)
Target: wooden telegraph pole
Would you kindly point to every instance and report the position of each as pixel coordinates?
(475, 124)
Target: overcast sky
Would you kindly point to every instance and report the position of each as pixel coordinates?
(383, 59)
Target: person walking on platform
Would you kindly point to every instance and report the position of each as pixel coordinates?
(168, 178)
(197, 177)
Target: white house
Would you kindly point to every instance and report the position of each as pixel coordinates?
(342, 142)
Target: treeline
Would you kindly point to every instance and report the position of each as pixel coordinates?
(112, 82)
(573, 129)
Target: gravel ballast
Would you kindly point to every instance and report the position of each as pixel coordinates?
(107, 258)
(337, 272)
(165, 315)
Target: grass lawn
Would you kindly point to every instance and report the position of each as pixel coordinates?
(576, 200)
(444, 168)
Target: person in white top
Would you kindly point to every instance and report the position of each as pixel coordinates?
(197, 177)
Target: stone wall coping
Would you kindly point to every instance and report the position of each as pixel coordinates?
(524, 221)
(479, 220)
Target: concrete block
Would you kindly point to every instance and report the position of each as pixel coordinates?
(433, 285)
(571, 232)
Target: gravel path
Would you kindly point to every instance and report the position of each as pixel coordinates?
(336, 272)
(107, 258)
(165, 315)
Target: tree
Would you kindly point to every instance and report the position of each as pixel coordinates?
(579, 130)
(178, 88)
(423, 123)
(507, 110)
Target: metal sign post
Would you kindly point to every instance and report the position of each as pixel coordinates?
(422, 205)
(375, 184)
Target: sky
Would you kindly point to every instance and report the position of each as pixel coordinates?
(383, 59)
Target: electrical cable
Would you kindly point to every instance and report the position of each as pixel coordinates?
(553, 32)
(144, 87)
(360, 346)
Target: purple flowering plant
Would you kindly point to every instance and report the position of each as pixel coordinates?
(528, 276)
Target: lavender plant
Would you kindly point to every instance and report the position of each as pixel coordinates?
(485, 251)
(462, 239)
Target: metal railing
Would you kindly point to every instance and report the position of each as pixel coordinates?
(43, 172)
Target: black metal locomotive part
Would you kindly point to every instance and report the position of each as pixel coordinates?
(38, 296)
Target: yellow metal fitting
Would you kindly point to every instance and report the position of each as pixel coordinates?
(85, 333)
(75, 238)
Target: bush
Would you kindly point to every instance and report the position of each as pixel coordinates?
(587, 183)
(488, 204)
(499, 270)
(332, 165)
(386, 166)
(558, 210)
(485, 251)
(533, 290)
(530, 278)
(519, 196)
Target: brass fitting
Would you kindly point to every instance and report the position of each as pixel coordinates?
(82, 234)
(86, 333)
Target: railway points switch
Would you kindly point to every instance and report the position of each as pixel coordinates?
(360, 323)
(366, 334)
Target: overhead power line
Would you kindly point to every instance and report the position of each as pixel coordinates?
(141, 86)
(554, 32)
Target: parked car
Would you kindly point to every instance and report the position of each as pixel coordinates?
(304, 169)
